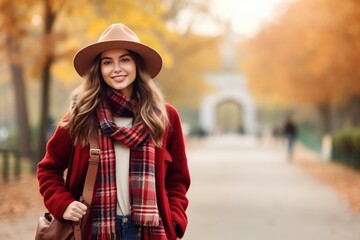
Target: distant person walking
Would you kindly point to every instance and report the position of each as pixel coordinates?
(290, 133)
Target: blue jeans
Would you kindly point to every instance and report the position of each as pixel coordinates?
(290, 146)
(126, 228)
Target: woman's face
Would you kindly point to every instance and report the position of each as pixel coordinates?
(118, 70)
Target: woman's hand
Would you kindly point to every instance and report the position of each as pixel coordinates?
(75, 211)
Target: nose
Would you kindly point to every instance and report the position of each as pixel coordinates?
(117, 67)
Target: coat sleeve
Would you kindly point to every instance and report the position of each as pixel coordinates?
(50, 173)
(177, 179)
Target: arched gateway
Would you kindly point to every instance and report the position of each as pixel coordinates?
(231, 87)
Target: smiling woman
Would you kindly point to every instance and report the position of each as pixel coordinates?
(143, 177)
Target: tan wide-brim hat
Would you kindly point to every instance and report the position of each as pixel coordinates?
(117, 36)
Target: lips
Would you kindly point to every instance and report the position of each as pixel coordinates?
(118, 78)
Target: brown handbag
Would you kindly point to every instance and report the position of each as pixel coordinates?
(49, 228)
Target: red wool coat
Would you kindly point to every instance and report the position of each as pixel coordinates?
(171, 169)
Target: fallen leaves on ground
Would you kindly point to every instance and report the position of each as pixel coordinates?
(343, 179)
(19, 197)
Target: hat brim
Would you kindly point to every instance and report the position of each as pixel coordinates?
(85, 57)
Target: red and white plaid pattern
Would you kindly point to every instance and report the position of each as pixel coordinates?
(141, 175)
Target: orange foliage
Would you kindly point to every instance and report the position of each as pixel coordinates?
(309, 55)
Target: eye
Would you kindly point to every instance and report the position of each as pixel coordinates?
(106, 62)
(125, 59)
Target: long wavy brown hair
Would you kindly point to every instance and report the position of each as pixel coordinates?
(82, 122)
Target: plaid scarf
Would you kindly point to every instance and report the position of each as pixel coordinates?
(144, 209)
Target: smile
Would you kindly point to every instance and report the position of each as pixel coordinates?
(119, 77)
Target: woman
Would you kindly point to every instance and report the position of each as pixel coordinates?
(143, 177)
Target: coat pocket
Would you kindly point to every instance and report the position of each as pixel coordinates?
(167, 156)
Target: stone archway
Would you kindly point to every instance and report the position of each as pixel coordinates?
(208, 110)
(231, 86)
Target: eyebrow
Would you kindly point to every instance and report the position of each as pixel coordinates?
(124, 55)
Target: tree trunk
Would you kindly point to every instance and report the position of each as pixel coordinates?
(13, 51)
(24, 133)
(49, 20)
(45, 103)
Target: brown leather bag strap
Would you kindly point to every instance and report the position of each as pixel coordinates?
(91, 171)
(90, 180)
(77, 231)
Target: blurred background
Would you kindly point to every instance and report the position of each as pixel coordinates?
(239, 67)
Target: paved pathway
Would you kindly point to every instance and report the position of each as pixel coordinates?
(241, 190)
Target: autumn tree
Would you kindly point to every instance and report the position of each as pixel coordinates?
(30, 43)
(14, 25)
(307, 56)
(49, 39)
